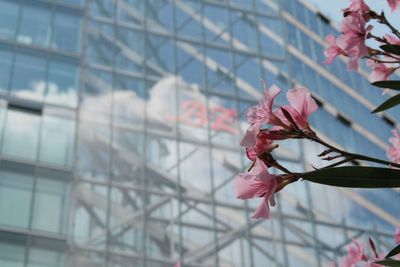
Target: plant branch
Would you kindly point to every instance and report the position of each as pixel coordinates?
(347, 159)
(352, 155)
(384, 61)
(384, 20)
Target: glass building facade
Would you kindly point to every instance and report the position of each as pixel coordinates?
(120, 123)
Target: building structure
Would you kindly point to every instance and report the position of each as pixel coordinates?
(120, 124)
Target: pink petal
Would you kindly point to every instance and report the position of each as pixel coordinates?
(355, 252)
(250, 185)
(394, 4)
(345, 262)
(397, 236)
(250, 137)
(352, 64)
(330, 39)
(391, 39)
(272, 93)
(300, 99)
(177, 264)
(262, 211)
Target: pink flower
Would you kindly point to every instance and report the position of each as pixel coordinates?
(263, 145)
(372, 260)
(394, 4)
(177, 264)
(260, 114)
(397, 236)
(391, 39)
(352, 39)
(380, 72)
(301, 106)
(345, 262)
(355, 255)
(355, 252)
(393, 153)
(358, 6)
(258, 182)
(333, 50)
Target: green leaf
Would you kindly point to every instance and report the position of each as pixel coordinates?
(393, 49)
(388, 84)
(394, 251)
(391, 102)
(389, 262)
(355, 176)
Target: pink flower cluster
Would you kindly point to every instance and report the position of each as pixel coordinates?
(393, 152)
(351, 42)
(356, 255)
(288, 121)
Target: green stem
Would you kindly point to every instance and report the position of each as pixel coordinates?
(347, 159)
(353, 155)
(387, 23)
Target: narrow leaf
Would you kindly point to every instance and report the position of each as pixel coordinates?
(389, 262)
(393, 49)
(394, 251)
(391, 102)
(289, 117)
(388, 84)
(356, 177)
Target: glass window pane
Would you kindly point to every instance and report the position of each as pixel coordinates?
(49, 210)
(35, 26)
(45, 258)
(125, 13)
(63, 84)
(103, 8)
(8, 19)
(29, 78)
(11, 255)
(219, 17)
(66, 34)
(99, 48)
(21, 134)
(73, 2)
(5, 69)
(57, 140)
(15, 188)
(129, 56)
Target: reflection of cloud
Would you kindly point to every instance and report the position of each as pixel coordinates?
(54, 93)
(37, 90)
(129, 108)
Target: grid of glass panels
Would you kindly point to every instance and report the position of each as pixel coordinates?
(146, 133)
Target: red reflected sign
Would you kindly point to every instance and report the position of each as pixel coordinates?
(194, 113)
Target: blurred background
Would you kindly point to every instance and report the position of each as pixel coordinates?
(120, 123)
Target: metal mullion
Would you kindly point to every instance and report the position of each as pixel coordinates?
(147, 7)
(31, 209)
(310, 215)
(231, 22)
(178, 137)
(108, 254)
(13, 53)
(210, 144)
(73, 194)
